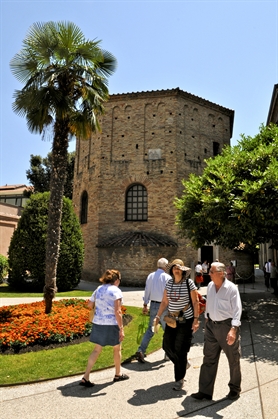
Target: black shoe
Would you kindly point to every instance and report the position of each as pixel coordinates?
(201, 396)
(121, 377)
(86, 383)
(233, 395)
(140, 357)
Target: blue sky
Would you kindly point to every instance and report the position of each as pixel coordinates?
(223, 51)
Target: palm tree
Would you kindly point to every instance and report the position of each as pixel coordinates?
(65, 81)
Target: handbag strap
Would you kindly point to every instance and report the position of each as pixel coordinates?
(187, 283)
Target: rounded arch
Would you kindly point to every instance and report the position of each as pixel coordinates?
(136, 203)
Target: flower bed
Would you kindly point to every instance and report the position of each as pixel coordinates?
(25, 325)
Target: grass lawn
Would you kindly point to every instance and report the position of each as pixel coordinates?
(72, 359)
(7, 292)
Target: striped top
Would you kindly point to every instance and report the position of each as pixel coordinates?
(178, 297)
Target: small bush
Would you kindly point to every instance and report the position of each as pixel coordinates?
(4, 265)
(28, 245)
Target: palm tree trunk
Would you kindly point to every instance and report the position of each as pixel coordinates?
(57, 181)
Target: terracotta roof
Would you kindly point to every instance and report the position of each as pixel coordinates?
(13, 187)
(138, 239)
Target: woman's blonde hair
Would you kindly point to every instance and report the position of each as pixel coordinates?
(110, 276)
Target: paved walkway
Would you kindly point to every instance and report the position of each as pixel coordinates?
(149, 395)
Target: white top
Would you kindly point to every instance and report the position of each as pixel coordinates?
(155, 286)
(198, 268)
(205, 268)
(224, 304)
(268, 267)
(104, 297)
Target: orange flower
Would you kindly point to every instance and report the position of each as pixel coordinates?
(27, 324)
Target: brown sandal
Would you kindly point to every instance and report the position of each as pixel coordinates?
(120, 378)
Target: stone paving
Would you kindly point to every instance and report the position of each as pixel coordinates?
(148, 394)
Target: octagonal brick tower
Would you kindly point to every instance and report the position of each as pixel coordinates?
(127, 177)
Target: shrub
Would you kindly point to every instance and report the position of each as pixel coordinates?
(28, 245)
(4, 265)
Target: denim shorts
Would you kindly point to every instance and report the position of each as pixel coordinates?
(105, 335)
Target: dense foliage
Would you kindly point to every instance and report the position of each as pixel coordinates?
(4, 265)
(235, 201)
(40, 171)
(27, 248)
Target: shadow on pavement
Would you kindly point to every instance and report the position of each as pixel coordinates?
(151, 395)
(75, 390)
(193, 407)
(147, 366)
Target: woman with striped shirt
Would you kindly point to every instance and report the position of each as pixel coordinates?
(177, 340)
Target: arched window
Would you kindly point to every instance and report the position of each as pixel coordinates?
(136, 203)
(84, 208)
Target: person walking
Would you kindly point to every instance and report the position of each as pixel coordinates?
(107, 327)
(273, 278)
(198, 275)
(205, 269)
(231, 272)
(154, 289)
(223, 313)
(180, 296)
(267, 273)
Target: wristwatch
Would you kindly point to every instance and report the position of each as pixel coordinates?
(234, 327)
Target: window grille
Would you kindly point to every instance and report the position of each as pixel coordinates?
(137, 203)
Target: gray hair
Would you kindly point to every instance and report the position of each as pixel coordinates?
(219, 267)
(162, 263)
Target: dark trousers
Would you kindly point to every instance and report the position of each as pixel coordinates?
(176, 344)
(266, 279)
(215, 341)
(273, 284)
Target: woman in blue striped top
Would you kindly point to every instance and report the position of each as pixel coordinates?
(177, 340)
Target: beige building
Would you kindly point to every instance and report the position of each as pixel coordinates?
(127, 177)
(11, 206)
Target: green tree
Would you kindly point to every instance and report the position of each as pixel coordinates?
(65, 81)
(40, 171)
(4, 266)
(27, 248)
(235, 201)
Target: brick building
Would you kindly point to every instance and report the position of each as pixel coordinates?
(127, 177)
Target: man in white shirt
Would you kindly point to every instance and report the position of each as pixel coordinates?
(223, 312)
(154, 290)
(267, 273)
(205, 269)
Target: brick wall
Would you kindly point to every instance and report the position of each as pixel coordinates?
(178, 128)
